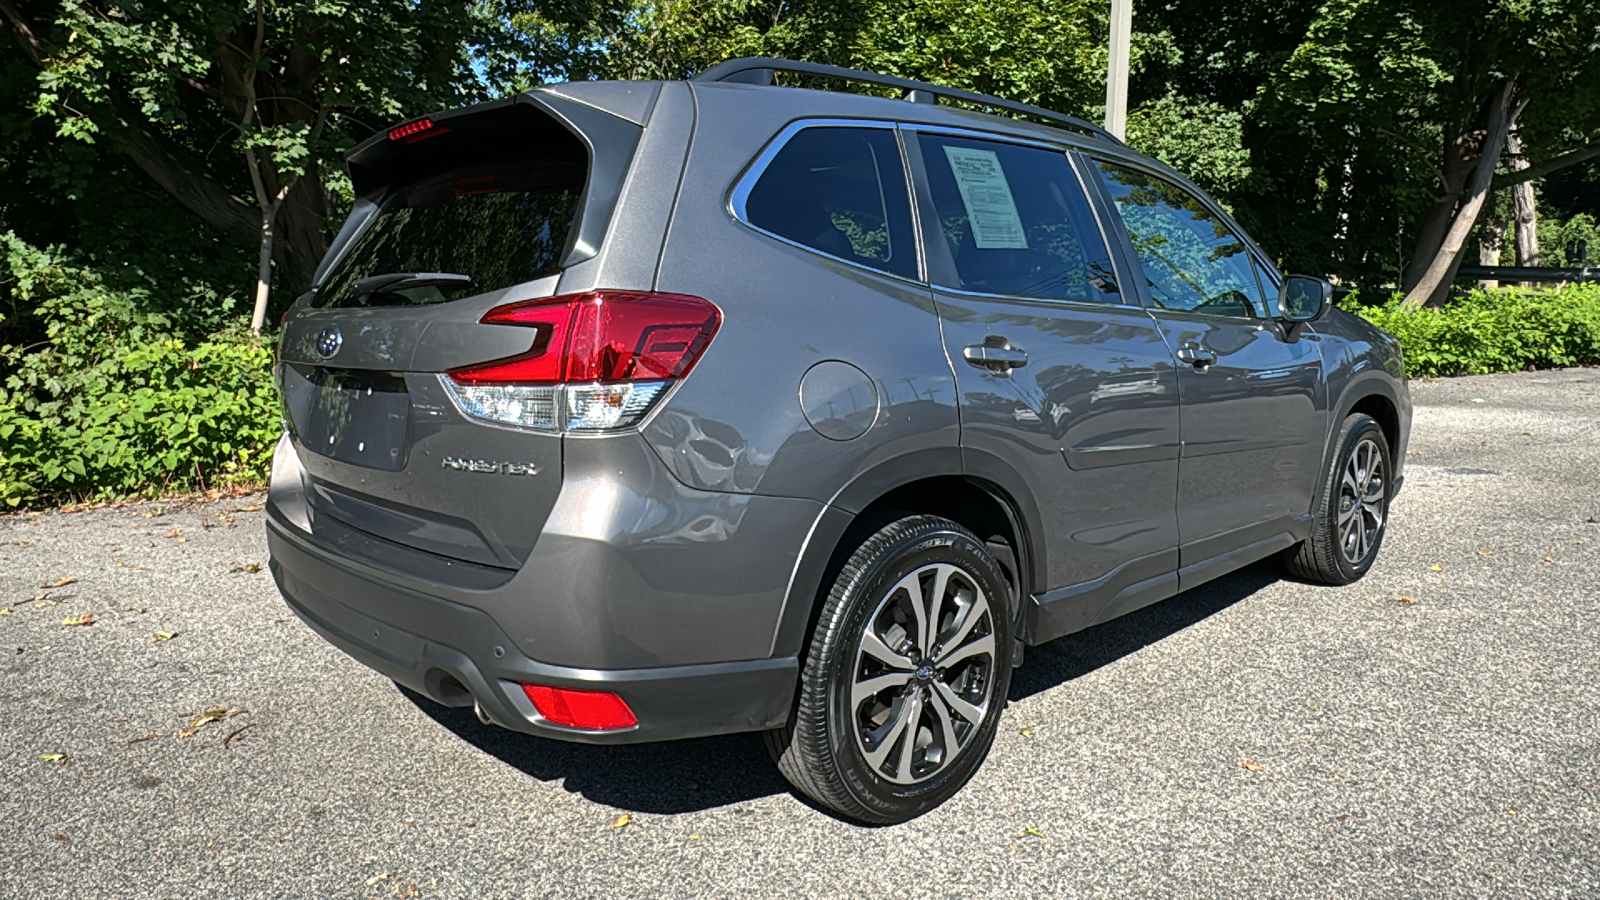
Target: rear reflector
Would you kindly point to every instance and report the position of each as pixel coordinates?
(598, 360)
(595, 710)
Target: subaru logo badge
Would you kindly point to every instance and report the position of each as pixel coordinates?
(329, 342)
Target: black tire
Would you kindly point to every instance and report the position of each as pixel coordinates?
(1341, 552)
(824, 750)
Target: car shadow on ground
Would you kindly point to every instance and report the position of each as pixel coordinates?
(704, 773)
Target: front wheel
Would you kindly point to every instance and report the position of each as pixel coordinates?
(906, 675)
(1352, 507)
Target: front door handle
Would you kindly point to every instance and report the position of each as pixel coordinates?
(998, 357)
(1196, 355)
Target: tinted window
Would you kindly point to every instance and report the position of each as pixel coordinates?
(499, 228)
(840, 191)
(1016, 220)
(1191, 259)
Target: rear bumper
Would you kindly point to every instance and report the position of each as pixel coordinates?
(458, 655)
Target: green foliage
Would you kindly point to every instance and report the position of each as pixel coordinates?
(1555, 235)
(1202, 139)
(117, 400)
(1502, 330)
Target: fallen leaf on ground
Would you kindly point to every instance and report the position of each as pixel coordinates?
(62, 838)
(5, 612)
(622, 821)
(1030, 831)
(142, 739)
(1406, 600)
(59, 759)
(383, 876)
(251, 508)
(407, 892)
(252, 568)
(163, 636)
(1549, 559)
(176, 532)
(1252, 765)
(1485, 552)
(1026, 730)
(123, 565)
(215, 714)
(85, 619)
(60, 582)
(694, 837)
(1436, 568)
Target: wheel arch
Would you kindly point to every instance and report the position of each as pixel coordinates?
(934, 483)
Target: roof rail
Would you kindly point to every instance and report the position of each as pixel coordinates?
(761, 69)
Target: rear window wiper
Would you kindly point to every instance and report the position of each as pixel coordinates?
(390, 282)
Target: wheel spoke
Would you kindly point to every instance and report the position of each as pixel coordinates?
(970, 617)
(976, 647)
(960, 707)
(908, 744)
(890, 732)
(872, 687)
(873, 646)
(1345, 516)
(919, 609)
(941, 582)
(947, 727)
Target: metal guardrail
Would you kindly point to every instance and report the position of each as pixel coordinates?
(1526, 273)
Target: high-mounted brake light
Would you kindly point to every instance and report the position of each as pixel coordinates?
(597, 710)
(416, 130)
(598, 360)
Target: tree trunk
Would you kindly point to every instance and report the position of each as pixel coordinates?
(1527, 211)
(1433, 285)
(263, 271)
(1491, 240)
(1452, 181)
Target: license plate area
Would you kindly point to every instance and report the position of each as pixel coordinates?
(361, 418)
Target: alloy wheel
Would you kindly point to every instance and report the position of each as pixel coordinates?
(924, 673)
(1362, 488)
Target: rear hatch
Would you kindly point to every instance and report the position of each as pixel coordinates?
(456, 214)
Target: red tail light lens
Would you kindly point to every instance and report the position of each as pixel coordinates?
(605, 336)
(598, 360)
(595, 710)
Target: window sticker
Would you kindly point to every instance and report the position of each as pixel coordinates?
(991, 210)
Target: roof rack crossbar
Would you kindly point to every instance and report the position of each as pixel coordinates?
(759, 70)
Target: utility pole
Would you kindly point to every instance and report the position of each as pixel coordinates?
(1117, 68)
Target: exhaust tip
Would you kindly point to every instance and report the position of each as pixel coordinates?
(482, 715)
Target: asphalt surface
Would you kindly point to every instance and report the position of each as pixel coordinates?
(1431, 730)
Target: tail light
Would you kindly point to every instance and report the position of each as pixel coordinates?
(599, 710)
(599, 360)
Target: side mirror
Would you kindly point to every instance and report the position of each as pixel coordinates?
(1304, 298)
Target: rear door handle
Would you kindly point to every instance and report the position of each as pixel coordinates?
(997, 359)
(1196, 355)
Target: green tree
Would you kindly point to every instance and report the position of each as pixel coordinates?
(1415, 100)
(240, 111)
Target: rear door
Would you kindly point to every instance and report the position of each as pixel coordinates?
(1253, 394)
(457, 214)
(1061, 379)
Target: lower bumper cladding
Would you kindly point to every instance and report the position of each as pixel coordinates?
(457, 655)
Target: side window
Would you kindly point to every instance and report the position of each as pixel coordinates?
(1193, 261)
(839, 191)
(1016, 220)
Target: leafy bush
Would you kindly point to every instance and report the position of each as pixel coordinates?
(117, 400)
(1502, 330)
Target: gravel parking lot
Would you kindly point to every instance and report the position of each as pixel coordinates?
(1432, 729)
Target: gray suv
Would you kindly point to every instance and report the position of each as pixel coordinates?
(629, 411)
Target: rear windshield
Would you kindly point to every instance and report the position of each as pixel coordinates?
(498, 228)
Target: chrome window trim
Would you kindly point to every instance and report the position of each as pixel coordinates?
(739, 194)
(1066, 151)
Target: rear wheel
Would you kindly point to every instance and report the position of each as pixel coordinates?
(1352, 508)
(906, 675)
